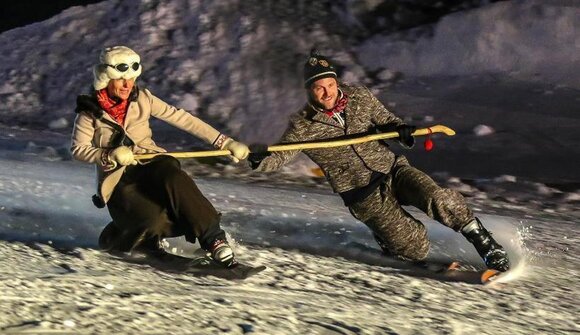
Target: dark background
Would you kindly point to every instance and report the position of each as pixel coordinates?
(389, 15)
(18, 13)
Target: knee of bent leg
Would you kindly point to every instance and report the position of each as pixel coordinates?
(423, 250)
(448, 197)
(169, 169)
(450, 208)
(108, 235)
(166, 162)
(417, 246)
(411, 244)
(418, 249)
(446, 200)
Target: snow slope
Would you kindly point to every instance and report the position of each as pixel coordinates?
(533, 40)
(316, 282)
(504, 76)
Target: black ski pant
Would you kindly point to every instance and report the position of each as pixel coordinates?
(156, 200)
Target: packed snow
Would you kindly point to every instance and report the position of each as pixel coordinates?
(504, 76)
(318, 281)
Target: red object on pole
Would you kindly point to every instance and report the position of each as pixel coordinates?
(428, 142)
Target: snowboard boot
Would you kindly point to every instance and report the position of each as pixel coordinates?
(493, 254)
(222, 253)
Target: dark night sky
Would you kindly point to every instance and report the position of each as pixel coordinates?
(18, 13)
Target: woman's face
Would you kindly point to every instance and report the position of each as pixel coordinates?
(120, 88)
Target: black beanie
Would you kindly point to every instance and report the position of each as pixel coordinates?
(317, 67)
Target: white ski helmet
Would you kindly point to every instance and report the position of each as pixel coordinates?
(115, 63)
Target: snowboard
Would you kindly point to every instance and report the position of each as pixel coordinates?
(456, 272)
(439, 269)
(198, 265)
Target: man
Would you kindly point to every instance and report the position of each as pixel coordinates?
(147, 200)
(373, 182)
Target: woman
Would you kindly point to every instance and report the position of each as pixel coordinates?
(146, 200)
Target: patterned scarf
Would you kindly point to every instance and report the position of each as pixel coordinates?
(338, 108)
(117, 110)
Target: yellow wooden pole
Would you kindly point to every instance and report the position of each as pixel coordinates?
(311, 145)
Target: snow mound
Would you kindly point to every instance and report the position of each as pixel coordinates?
(530, 40)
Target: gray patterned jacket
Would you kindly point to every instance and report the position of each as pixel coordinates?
(346, 167)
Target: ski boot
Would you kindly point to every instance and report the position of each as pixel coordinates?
(222, 253)
(493, 254)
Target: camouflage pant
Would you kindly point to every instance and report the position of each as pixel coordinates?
(402, 234)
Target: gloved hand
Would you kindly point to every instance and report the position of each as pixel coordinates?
(259, 151)
(122, 155)
(239, 150)
(405, 132)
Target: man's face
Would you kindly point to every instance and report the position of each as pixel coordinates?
(120, 88)
(325, 92)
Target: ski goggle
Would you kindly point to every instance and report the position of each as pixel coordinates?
(123, 67)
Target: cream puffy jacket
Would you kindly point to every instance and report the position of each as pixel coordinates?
(93, 136)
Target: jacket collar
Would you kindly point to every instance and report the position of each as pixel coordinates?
(352, 107)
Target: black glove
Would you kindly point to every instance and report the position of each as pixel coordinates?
(405, 137)
(258, 151)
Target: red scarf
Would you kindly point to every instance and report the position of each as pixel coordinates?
(339, 107)
(117, 110)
